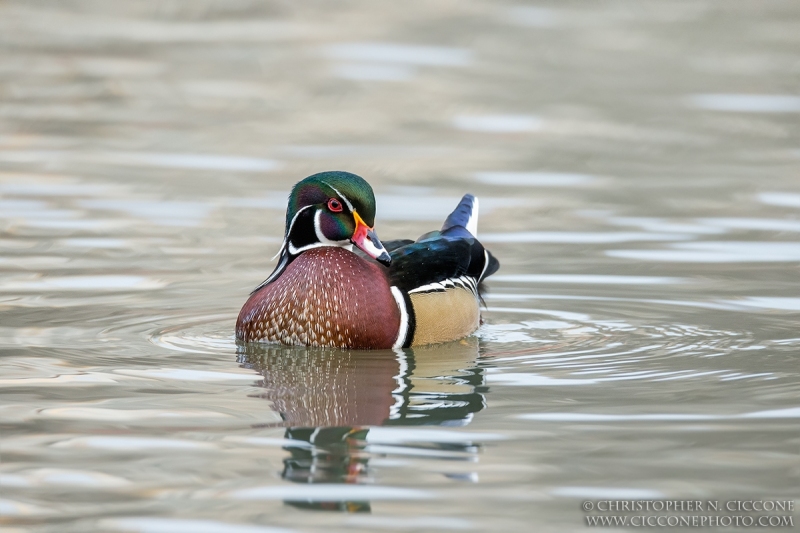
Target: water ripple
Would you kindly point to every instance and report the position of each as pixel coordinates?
(717, 252)
(211, 334)
(146, 524)
(792, 412)
(565, 348)
(326, 491)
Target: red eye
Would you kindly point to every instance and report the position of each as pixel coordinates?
(334, 205)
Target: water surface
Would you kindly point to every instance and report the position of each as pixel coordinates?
(638, 175)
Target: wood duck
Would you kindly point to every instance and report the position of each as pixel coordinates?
(397, 294)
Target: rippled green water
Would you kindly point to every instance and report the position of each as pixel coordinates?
(639, 175)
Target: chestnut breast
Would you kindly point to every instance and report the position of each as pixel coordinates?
(327, 296)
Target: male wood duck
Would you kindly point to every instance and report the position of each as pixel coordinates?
(394, 295)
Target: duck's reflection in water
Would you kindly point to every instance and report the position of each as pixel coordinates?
(330, 398)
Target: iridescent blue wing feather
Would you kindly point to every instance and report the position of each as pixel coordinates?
(444, 255)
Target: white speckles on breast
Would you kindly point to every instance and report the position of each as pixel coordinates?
(325, 297)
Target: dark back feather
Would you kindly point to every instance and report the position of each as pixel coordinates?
(440, 255)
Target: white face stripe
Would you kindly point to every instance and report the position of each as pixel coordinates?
(323, 240)
(403, 331)
(287, 245)
(338, 244)
(289, 230)
(294, 219)
(342, 196)
(318, 230)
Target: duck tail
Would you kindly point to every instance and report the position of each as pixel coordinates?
(465, 215)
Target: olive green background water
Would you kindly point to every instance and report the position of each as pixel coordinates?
(638, 167)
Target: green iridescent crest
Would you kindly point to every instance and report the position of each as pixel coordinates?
(319, 188)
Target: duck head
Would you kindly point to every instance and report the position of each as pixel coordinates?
(330, 209)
